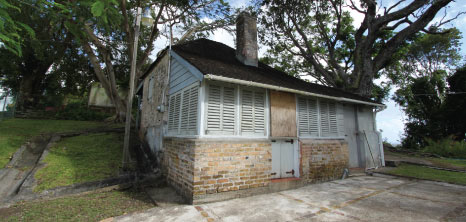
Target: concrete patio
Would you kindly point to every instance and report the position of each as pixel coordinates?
(365, 198)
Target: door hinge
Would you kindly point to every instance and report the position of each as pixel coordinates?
(290, 172)
(289, 141)
(273, 174)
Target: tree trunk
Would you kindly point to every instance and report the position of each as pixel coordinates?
(108, 84)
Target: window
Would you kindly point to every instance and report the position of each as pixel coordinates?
(182, 113)
(317, 118)
(221, 110)
(252, 112)
(235, 110)
(151, 89)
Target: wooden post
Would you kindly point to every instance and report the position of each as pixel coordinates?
(126, 156)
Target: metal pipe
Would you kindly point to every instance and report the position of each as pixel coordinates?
(279, 88)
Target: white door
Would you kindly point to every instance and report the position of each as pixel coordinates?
(282, 158)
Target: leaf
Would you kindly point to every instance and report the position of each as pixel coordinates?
(28, 29)
(97, 8)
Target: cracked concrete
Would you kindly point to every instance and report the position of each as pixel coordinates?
(363, 198)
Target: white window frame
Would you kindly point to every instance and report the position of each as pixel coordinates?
(179, 132)
(338, 124)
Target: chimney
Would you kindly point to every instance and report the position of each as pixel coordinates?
(246, 39)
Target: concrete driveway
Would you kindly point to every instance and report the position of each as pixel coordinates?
(363, 198)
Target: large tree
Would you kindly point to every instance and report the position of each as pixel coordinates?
(24, 74)
(106, 30)
(319, 36)
(420, 74)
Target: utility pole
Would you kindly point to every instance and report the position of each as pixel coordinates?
(126, 156)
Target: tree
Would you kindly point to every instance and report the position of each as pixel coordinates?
(11, 28)
(320, 36)
(25, 75)
(105, 30)
(420, 73)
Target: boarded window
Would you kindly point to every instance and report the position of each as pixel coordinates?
(182, 115)
(221, 110)
(150, 92)
(252, 112)
(317, 118)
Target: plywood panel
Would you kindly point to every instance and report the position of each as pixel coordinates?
(282, 114)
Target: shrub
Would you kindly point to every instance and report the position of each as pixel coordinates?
(80, 111)
(446, 147)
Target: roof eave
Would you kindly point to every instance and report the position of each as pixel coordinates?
(279, 88)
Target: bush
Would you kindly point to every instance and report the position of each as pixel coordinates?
(446, 147)
(80, 111)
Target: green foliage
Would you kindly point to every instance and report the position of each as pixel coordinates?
(87, 207)
(15, 132)
(10, 28)
(81, 159)
(429, 174)
(78, 110)
(446, 147)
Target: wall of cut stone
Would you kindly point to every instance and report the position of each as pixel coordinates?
(231, 166)
(323, 160)
(178, 164)
(153, 121)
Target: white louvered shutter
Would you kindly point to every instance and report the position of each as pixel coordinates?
(303, 117)
(221, 110)
(176, 112)
(171, 112)
(247, 112)
(193, 102)
(313, 117)
(308, 117)
(252, 112)
(214, 109)
(328, 118)
(228, 110)
(184, 112)
(333, 121)
(259, 112)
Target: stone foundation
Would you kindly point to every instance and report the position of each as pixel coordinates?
(323, 160)
(206, 170)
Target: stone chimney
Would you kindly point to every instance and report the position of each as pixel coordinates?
(246, 39)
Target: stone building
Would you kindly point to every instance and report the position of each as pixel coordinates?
(224, 125)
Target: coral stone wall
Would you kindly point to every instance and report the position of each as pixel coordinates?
(323, 160)
(204, 170)
(231, 166)
(178, 165)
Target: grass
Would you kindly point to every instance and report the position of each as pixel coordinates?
(88, 207)
(421, 172)
(449, 162)
(15, 132)
(81, 159)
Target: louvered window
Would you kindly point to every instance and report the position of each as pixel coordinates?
(328, 116)
(317, 118)
(221, 110)
(183, 108)
(308, 117)
(252, 112)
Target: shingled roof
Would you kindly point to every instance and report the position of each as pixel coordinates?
(218, 59)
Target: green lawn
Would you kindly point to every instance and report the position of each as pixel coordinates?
(449, 162)
(81, 159)
(88, 207)
(15, 132)
(429, 173)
